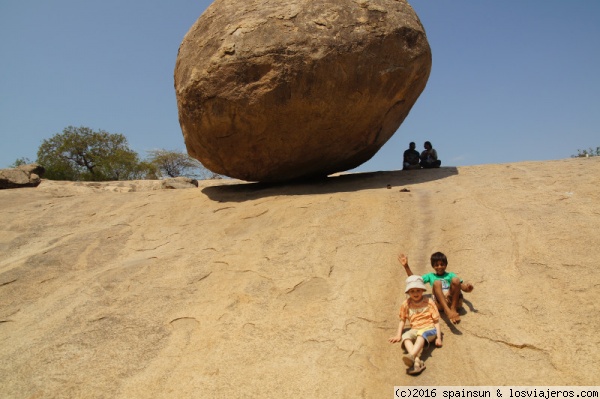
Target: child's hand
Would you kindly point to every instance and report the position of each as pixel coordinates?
(467, 287)
(403, 259)
(395, 339)
(438, 342)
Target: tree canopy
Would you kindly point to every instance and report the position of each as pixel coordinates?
(173, 163)
(79, 153)
(20, 161)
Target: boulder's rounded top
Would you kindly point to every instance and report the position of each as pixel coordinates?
(278, 90)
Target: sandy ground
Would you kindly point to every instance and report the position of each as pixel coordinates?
(246, 290)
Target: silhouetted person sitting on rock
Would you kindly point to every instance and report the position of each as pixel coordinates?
(411, 158)
(429, 157)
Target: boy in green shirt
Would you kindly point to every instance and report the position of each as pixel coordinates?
(446, 286)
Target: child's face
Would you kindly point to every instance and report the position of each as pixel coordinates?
(439, 267)
(416, 294)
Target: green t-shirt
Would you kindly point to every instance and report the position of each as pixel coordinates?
(446, 279)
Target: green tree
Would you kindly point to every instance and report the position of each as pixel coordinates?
(79, 153)
(173, 163)
(20, 161)
(590, 152)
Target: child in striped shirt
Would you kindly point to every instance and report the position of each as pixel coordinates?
(424, 318)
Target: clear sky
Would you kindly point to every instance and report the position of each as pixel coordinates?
(511, 81)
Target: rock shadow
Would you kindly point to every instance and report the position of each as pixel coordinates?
(393, 180)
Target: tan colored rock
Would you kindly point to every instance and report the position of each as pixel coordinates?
(179, 183)
(57, 188)
(277, 90)
(21, 176)
(238, 290)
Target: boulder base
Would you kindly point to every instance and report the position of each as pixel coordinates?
(279, 90)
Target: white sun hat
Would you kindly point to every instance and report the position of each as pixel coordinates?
(415, 281)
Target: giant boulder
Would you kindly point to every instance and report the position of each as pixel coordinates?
(274, 90)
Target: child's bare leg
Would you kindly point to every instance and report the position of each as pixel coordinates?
(415, 348)
(443, 303)
(454, 293)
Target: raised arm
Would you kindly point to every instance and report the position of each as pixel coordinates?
(403, 259)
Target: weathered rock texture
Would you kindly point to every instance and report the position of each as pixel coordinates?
(276, 90)
(180, 182)
(237, 290)
(22, 176)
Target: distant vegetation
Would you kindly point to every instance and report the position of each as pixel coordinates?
(590, 152)
(20, 161)
(81, 154)
(176, 163)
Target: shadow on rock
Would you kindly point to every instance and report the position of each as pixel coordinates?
(394, 180)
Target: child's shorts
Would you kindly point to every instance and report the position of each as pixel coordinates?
(429, 334)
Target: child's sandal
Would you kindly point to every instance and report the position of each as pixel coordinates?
(418, 367)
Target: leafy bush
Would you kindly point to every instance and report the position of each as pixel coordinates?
(83, 154)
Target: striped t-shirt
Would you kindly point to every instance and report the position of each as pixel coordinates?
(422, 314)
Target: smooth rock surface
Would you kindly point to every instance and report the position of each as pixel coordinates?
(237, 290)
(278, 90)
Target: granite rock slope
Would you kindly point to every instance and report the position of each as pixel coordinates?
(235, 289)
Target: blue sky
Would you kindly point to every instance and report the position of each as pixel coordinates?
(511, 80)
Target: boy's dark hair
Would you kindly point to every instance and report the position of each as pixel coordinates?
(439, 256)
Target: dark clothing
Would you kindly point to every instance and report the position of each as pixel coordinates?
(429, 165)
(411, 158)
